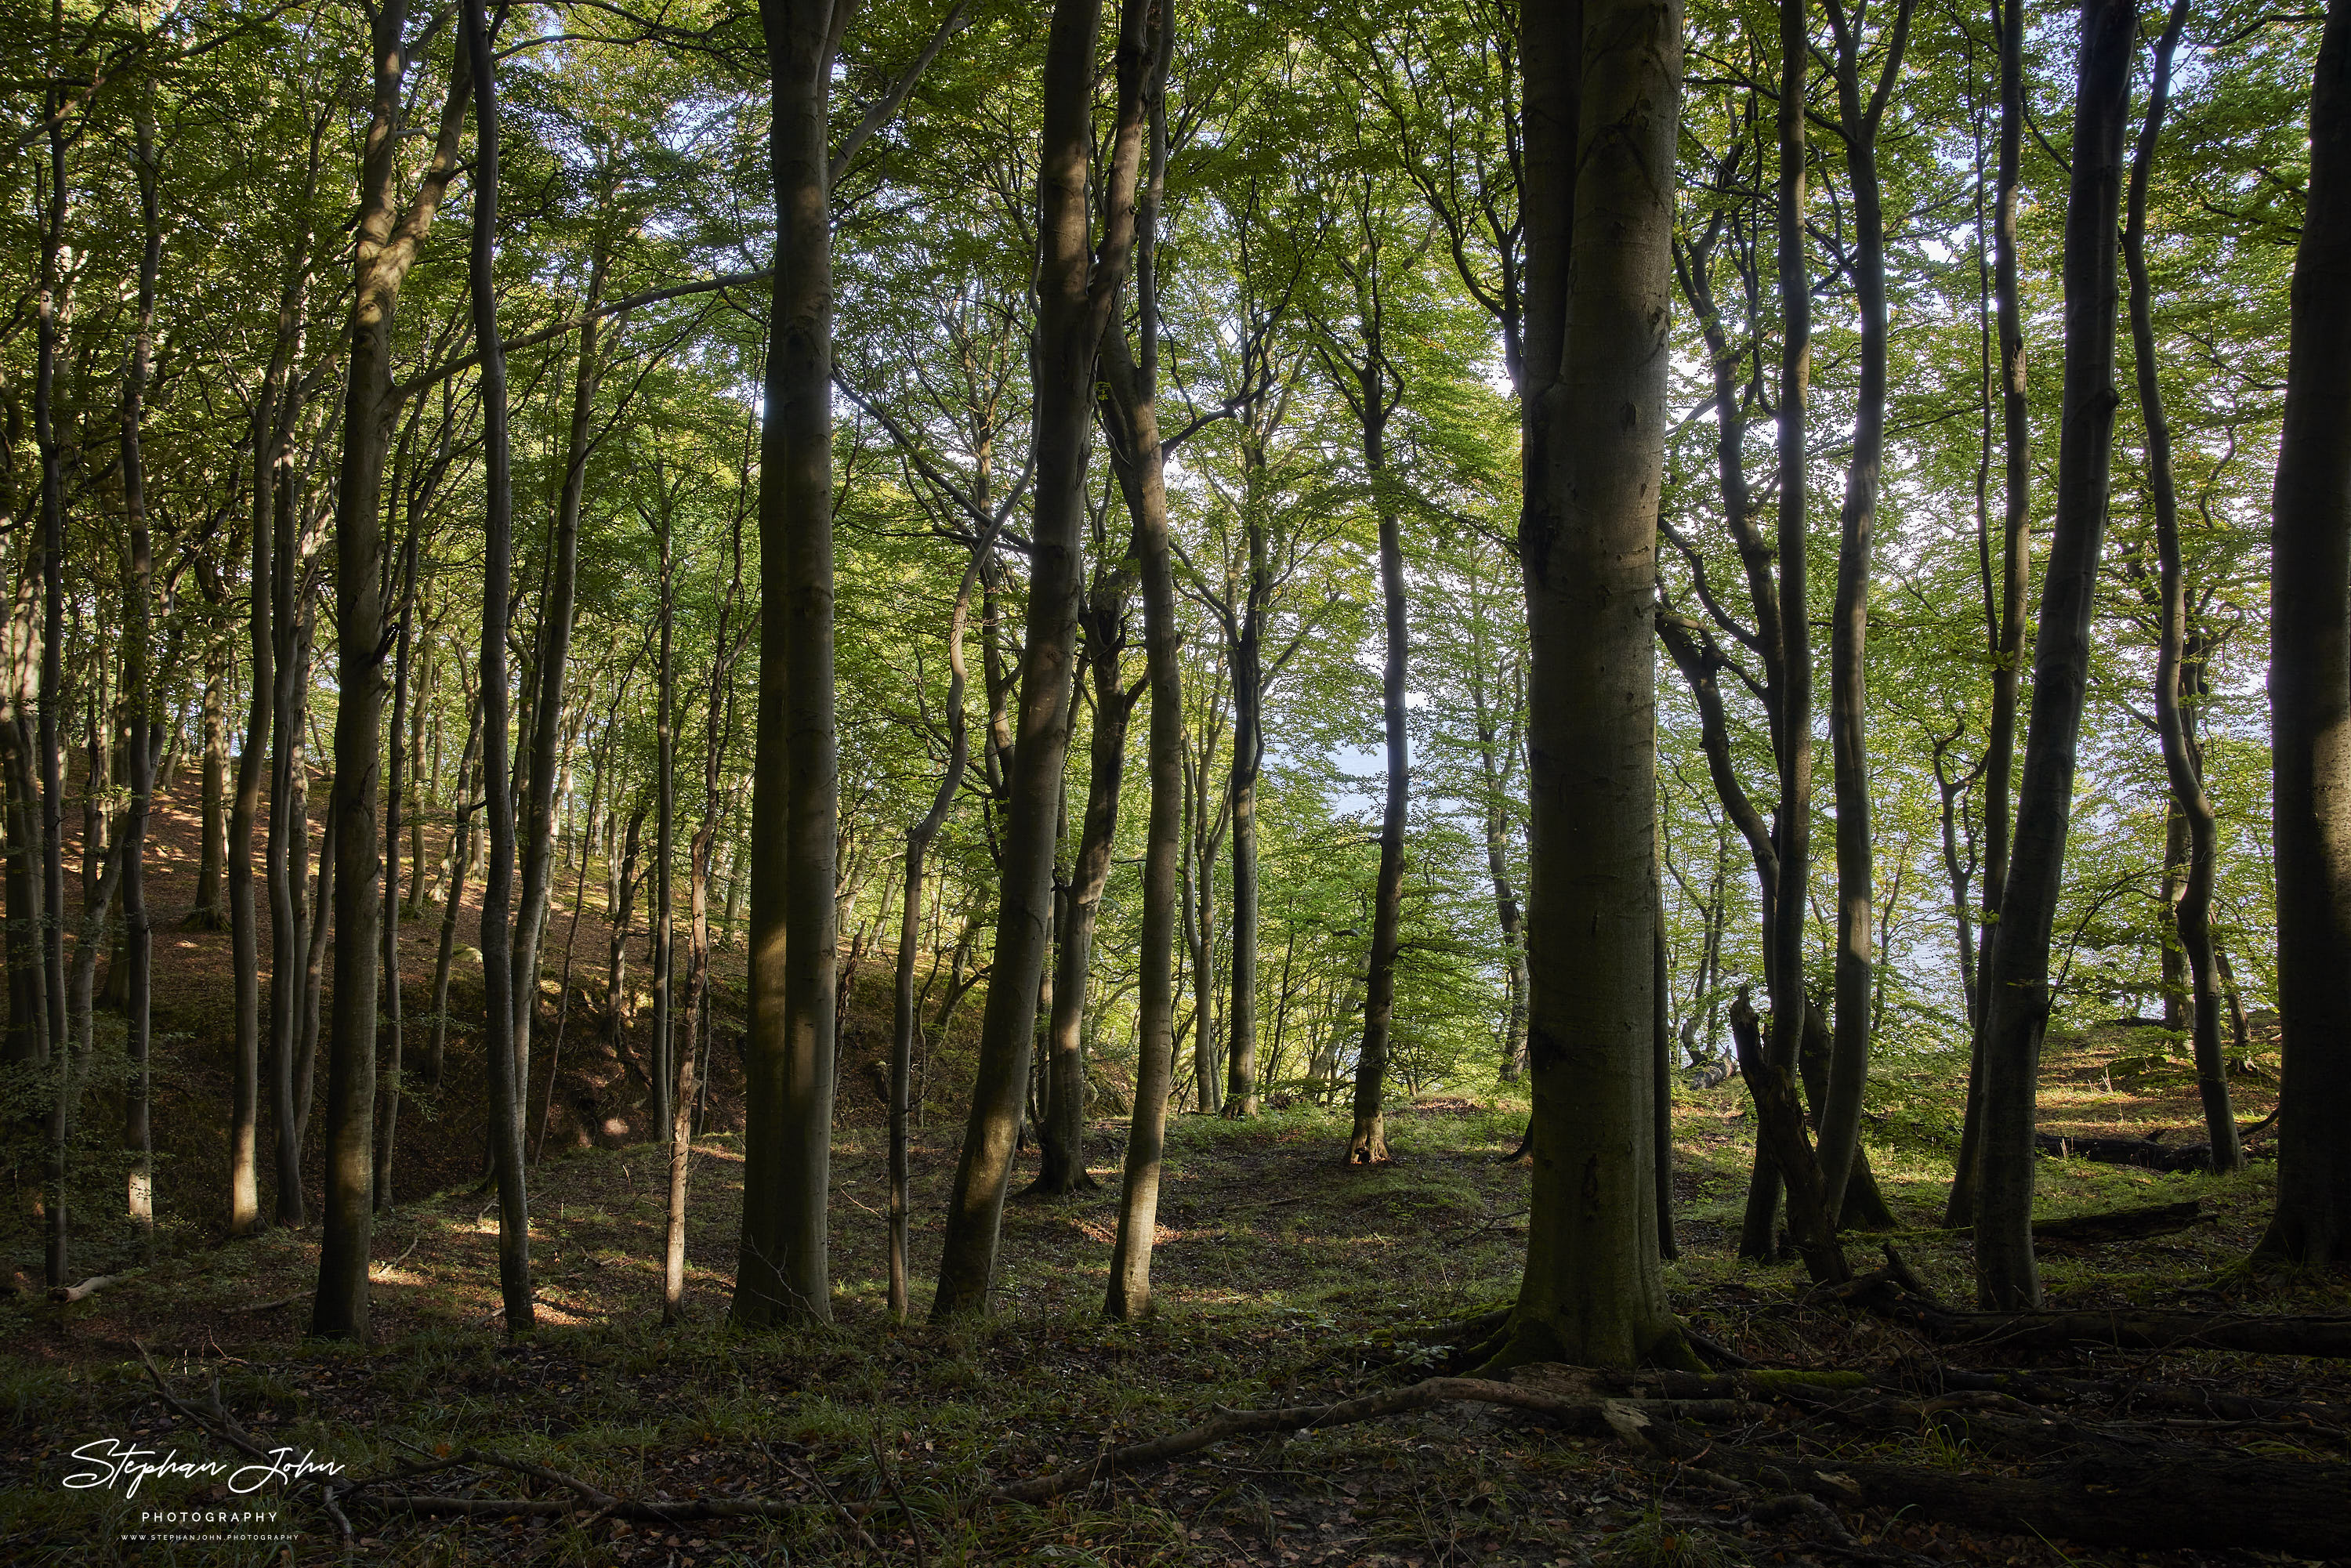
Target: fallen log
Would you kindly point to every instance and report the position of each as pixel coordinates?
(2325, 1336)
(65, 1295)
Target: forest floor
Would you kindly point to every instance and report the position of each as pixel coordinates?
(1282, 1277)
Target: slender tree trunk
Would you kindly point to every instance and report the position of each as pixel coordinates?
(783, 1273)
(459, 860)
(1131, 418)
(285, 855)
(51, 311)
(2017, 1000)
(1076, 290)
(1840, 1114)
(1062, 1165)
(1603, 89)
(1240, 804)
(208, 911)
(2006, 631)
(396, 765)
(2182, 765)
(621, 897)
(662, 1051)
(554, 659)
(2309, 696)
(507, 1088)
(1788, 890)
(1367, 1145)
(140, 701)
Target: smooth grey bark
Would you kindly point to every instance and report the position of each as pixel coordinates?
(2310, 695)
(1602, 83)
(2017, 1000)
(1077, 289)
(1375, 396)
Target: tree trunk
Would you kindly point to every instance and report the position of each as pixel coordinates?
(2017, 999)
(139, 702)
(207, 912)
(507, 1089)
(1367, 1143)
(2309, 696)
(396, 765)
(2173, 720)
(662, 1052)
(1840, 1115)
(554, 659)
(1061, 1163)
(1131, 418)
(1789, 892)
(1603, 86)
(788, 1059)
(459, 860)
(1077, 289)
(2005, 630)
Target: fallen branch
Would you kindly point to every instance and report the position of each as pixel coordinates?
(2118, 1225)
(65, 1295)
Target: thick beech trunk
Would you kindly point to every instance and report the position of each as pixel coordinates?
(1602, 91)
(2309, 696)
(1367, 1143)
(2016, 1000)
(1077, 289)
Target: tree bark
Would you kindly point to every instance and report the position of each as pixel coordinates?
(507, 1089)
(1367, 1143)
(782, 1273)
(2309, 696)
(2005, 628)
(1062, 1165)
(1077, 289)
(1839, 1119)
(1602, 89)
(2182, 767)
(139, 695)
(2017, 1000)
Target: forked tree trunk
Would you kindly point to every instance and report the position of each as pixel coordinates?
(2309, 696)
(1077, 289)
(1602, 87)
(2017, 1001)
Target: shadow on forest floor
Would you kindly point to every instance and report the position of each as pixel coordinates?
(1282, 1278)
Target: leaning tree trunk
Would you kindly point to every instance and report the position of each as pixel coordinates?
(2309, 696)
(1603, 89)
(1077, 289)
(782, 1273)
(504, 1132)
(2005, 629)
(2182, 767)
(2017, 1000)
